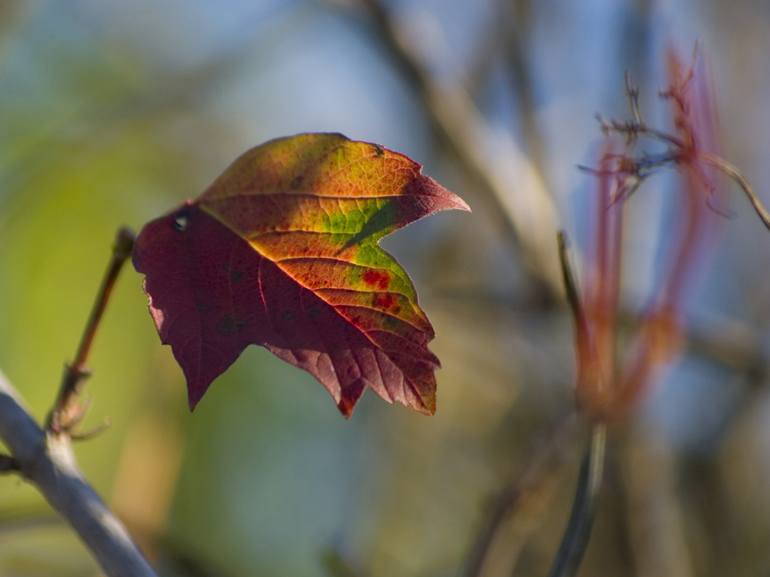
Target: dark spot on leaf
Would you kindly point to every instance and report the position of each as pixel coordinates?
(378, 150)
(230, 325)
(296, 182)
(314, 312)
(236, 275)
(202, 307)
(288, 315)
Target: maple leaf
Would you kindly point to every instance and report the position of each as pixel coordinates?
(282, 251)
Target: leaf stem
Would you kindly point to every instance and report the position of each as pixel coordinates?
(66, 413)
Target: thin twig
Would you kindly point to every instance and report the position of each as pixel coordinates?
(673, 157)
(89, 434)
(678, 152)
(66, 412)
(575, 540)
(732, 172)
(632, 93)
(570, 282)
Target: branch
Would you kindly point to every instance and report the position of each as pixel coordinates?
(47, 461)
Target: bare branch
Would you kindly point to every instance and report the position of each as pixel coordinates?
(47, 461)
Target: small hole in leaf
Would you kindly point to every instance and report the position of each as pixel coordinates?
(181, 222)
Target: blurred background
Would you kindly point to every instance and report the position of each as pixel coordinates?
(114, 112)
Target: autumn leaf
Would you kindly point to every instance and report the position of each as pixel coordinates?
(282, 251)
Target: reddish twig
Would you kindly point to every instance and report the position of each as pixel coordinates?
(680, 149)
(67, 412)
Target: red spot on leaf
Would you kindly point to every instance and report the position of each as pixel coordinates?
(376, 278)
(384, 301)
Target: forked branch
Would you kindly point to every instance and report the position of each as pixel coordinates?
(44, 457)
(47, 461)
